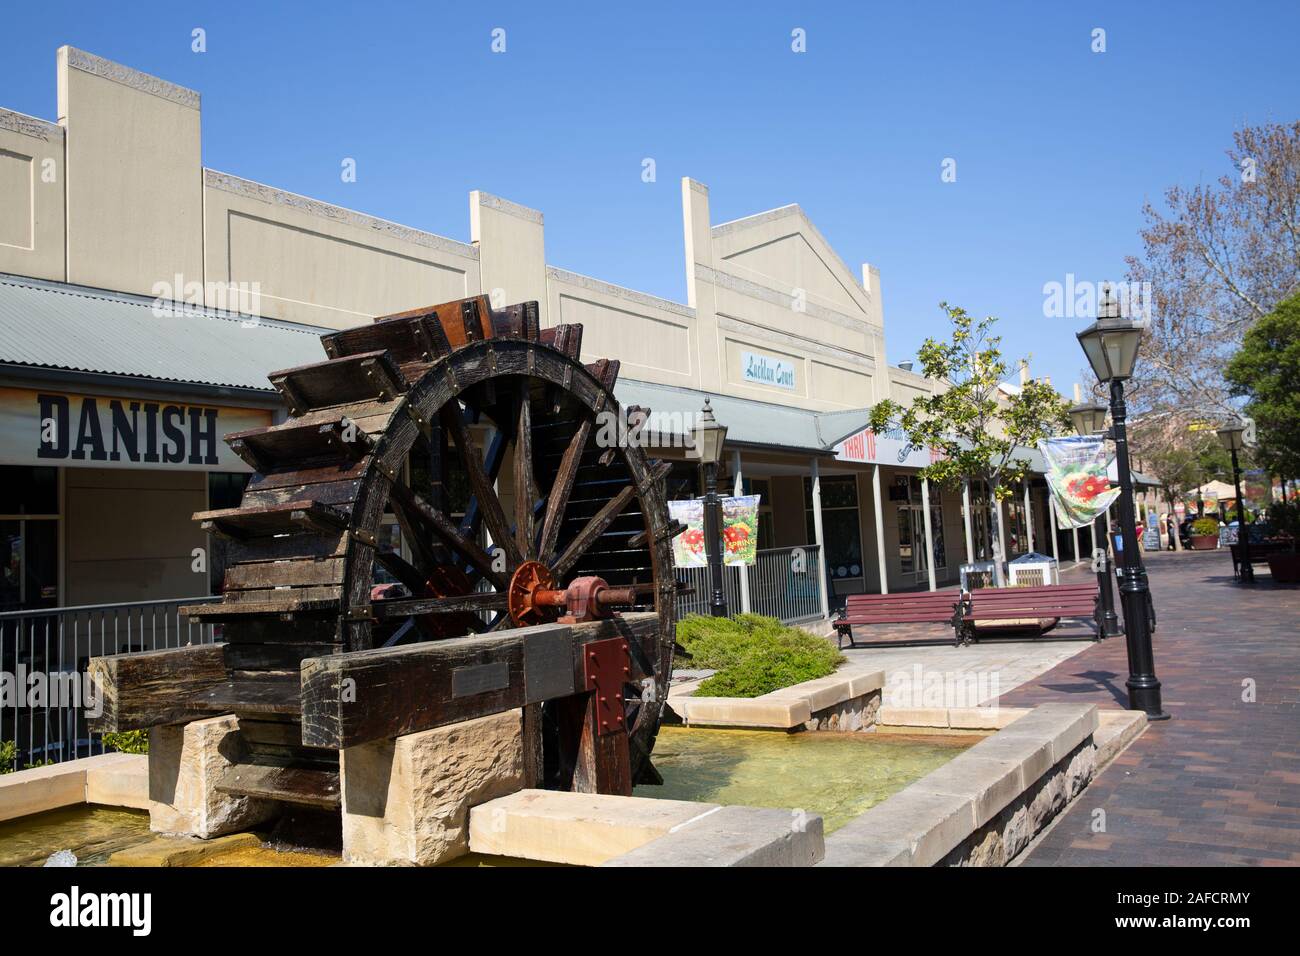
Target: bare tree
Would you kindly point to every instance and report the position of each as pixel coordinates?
(1218, 256)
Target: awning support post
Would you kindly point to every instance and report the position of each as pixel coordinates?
(820, 538)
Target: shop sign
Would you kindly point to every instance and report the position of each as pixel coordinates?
(766, 370)
(885, 448)
(94, 431)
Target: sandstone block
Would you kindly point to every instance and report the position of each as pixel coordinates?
(186, 762)
(407, 801)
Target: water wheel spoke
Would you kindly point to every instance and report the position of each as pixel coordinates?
(558, 500)
(488, 502)
(396, 637)
(420, 512)
(402, 569)
(463, 603)
(591, 531)
(525, 483)
(496, 455)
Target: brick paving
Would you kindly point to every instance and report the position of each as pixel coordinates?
(1219, 784)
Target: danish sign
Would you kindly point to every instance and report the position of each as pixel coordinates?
(93, 431)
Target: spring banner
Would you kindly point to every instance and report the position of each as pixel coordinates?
(739, 531)
(1076, 473)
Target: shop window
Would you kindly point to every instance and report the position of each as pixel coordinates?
(840, 529)
(913, 556)
(29, 537)
(225, 489)
(29, 490)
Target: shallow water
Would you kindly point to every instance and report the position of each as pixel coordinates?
(268, 855)
(836, 775)
(92, 833)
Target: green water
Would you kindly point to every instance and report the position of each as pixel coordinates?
(92, 833)
(836, 775)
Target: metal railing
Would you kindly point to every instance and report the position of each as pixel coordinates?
(44, 655)
(782, 584)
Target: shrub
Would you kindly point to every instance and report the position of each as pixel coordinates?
(753, 654)
(1205, 526)
(8, 756)
(128, 741)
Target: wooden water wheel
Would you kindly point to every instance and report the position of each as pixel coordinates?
(413, 431)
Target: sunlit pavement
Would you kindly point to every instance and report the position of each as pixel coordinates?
(1219, 783)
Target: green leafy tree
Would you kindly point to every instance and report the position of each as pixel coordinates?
(1266, 371)
(975, 427)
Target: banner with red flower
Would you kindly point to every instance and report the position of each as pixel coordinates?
(1076, 473)
(739, 531)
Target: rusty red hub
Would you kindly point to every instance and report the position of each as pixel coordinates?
(530, 585)
(533, 597)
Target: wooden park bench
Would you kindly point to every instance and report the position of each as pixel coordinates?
(912, 607)
(1259, 553)
(1048, 603)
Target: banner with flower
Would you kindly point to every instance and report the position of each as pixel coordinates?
(1076, 474)
(739, 531)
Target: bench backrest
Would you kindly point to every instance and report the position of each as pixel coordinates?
(908, 607)
(1052, 600)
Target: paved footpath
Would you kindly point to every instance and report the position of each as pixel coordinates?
(1219, 784)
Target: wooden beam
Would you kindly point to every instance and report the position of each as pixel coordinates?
(149, 688)
(350, 699)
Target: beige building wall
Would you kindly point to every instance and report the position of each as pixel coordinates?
(312, 262)
(129, 536)
(511, 247)
(133, 179)
(31, 197)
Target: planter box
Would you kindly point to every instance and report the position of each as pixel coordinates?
(1285, 568)
(1205, 542)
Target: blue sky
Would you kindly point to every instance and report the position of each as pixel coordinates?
(1056, 146)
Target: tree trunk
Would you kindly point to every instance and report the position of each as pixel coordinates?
(995, 529)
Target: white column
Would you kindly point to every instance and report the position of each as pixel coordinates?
(1074, 533)
(738, 489)
(1051, 520)
(965, 520)
(820, 540)
(880, 529)
(929, 532)
(1029, 520)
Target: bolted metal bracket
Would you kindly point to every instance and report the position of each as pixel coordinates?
(606, 667)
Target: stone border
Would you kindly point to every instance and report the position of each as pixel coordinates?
(847, 700)
(111, 780)
(489, 201)
(249, 189)
(984, 806)
(144, 82)
(588, 829)
(32, 126)
(619, 292)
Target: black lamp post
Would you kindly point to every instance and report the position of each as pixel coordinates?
(709, 439)
(1111, 344)
(1231, 438)
(1090, 419)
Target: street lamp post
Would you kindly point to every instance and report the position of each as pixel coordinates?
(1090, 419)
(709, 439)
(1111, 345)
(1231, 438)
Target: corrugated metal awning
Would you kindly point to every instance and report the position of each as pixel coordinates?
(53, 325)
